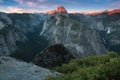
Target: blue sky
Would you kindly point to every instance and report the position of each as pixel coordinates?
(12, 6)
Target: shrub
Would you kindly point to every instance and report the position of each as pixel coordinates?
(99, 67)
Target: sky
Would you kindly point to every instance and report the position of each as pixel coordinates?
(38, 6)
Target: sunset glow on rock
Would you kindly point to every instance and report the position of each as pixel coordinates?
(60, 9)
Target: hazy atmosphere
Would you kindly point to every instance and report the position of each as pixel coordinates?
(31, 6)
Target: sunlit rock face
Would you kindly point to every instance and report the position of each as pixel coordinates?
(51, 12)
(60, 9)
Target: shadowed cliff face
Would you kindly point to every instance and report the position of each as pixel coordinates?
(28, 23)
(54, 55)
(31, 25)
(19, 35)
(9, 35)
(76, 37)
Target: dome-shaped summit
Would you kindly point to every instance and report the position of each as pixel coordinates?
(60, 9)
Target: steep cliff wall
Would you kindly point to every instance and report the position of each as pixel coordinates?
(77, 38)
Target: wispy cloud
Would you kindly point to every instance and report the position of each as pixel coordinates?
(1, 1)
(41, 0)
(19, 1)
(11, 9)
(26, 2)
(116, 3)
(29, 3)
(33, 4)
(43, 7)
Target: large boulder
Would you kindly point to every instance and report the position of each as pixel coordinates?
(54, 55)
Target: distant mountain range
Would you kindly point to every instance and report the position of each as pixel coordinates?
(109, 12)
(61, 9)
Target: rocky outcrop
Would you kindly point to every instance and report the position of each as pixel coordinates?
(60, 9)
(54, 55)
(13, 69)
(77, 38)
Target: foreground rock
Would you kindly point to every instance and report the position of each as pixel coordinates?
(12, 69)
(52, 56)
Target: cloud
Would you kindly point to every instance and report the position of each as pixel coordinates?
(43, 6)
(11, 9)
(41, 0)
(1, 1)
(19, 1)
(116, 3)
(26, 2)
(31, 3)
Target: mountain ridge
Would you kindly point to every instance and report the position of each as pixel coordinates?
(74, 35)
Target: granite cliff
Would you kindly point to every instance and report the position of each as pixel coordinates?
(9, 35)
(75, 36)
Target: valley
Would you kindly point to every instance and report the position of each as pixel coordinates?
(55, 38)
